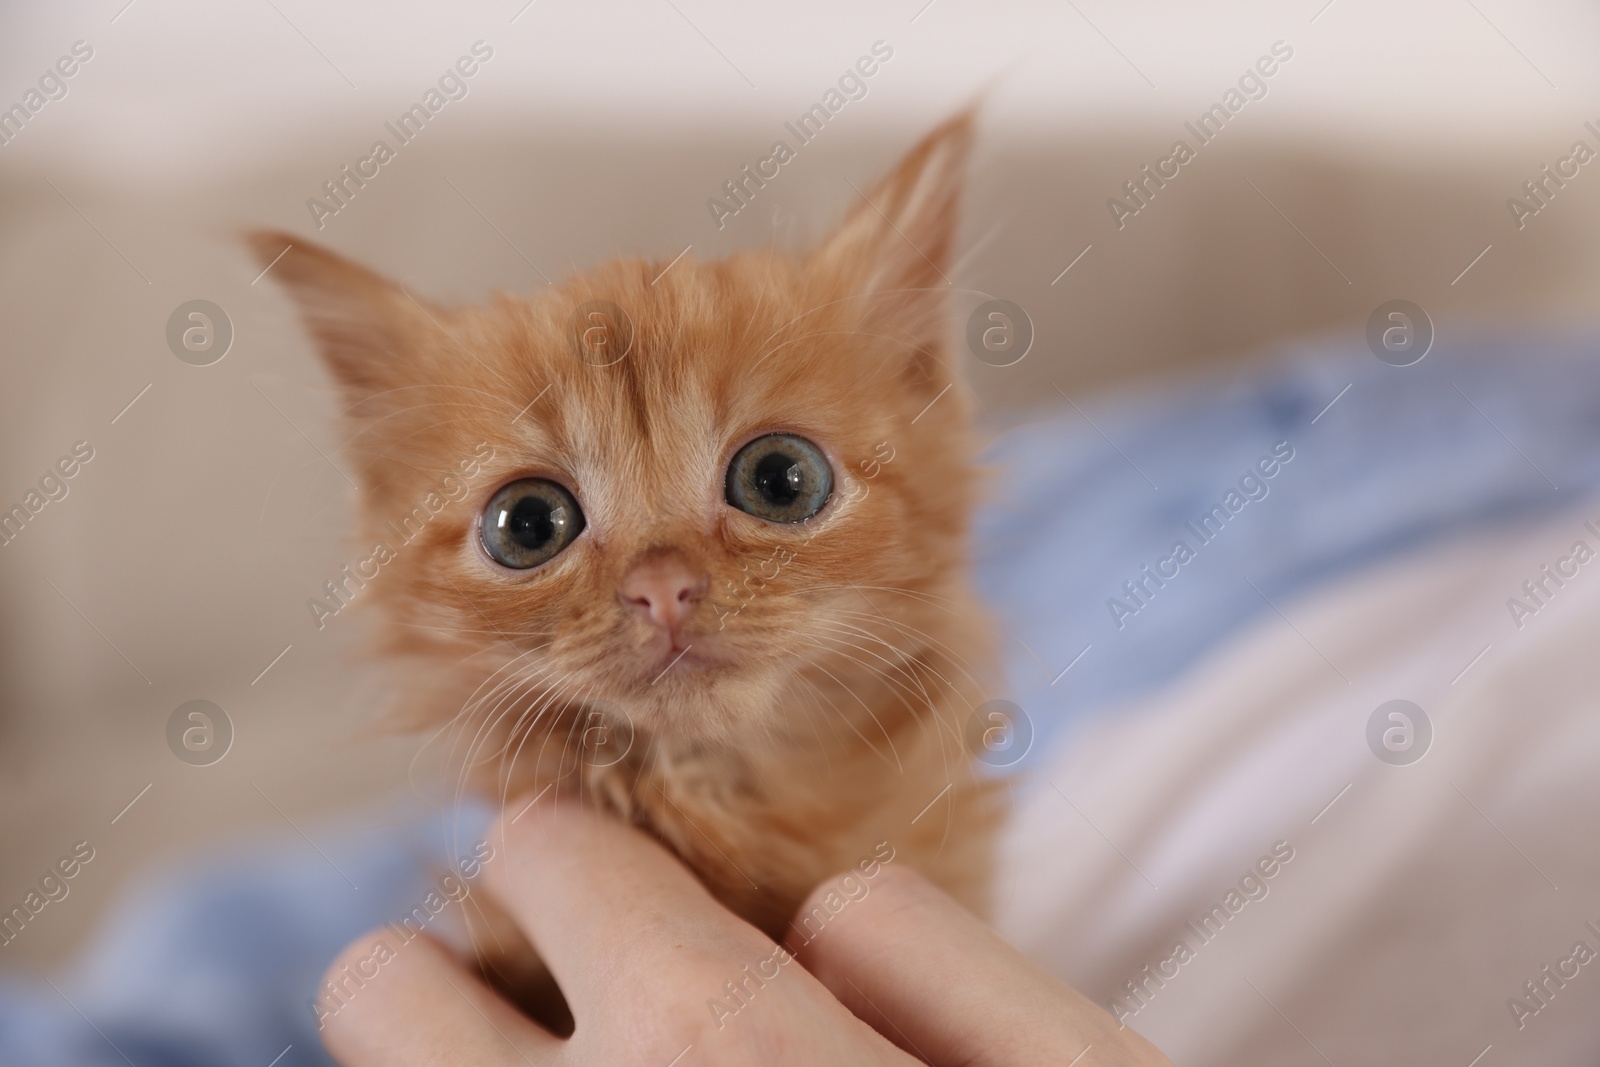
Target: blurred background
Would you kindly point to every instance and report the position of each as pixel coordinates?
(1377, 166)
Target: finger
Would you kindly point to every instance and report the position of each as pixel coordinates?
(603, 902)
(388, 1003)
(932, 978)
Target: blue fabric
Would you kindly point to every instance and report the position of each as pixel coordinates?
(217, 965)
(1480, 431)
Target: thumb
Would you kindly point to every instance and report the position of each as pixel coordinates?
(932, 978)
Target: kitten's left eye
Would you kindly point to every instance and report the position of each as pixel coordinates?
(780, 478)
(528, 522)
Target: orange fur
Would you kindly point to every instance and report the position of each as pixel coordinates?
(831, 710)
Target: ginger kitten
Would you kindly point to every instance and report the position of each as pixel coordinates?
(713, 575)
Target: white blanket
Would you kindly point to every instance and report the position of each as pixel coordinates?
(1419, 898)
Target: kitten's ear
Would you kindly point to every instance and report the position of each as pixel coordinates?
(896, 246)
(363, 323)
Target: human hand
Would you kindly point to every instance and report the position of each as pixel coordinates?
(642, 951)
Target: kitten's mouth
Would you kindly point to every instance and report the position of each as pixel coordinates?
(682, 657)
(673, 650)
(661, 657)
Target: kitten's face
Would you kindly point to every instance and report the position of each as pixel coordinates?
(707, 488)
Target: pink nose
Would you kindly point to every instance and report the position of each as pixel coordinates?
(663, 590)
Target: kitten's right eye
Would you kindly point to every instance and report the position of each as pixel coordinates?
(528, 522)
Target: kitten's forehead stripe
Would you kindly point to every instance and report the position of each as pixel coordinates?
(628, 380)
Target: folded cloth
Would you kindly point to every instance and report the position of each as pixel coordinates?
(1263, 864)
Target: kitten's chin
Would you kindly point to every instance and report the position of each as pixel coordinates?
(706, 704)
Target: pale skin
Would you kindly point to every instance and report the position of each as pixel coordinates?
(900, 976)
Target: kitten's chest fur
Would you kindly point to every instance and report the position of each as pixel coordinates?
(870, 757)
